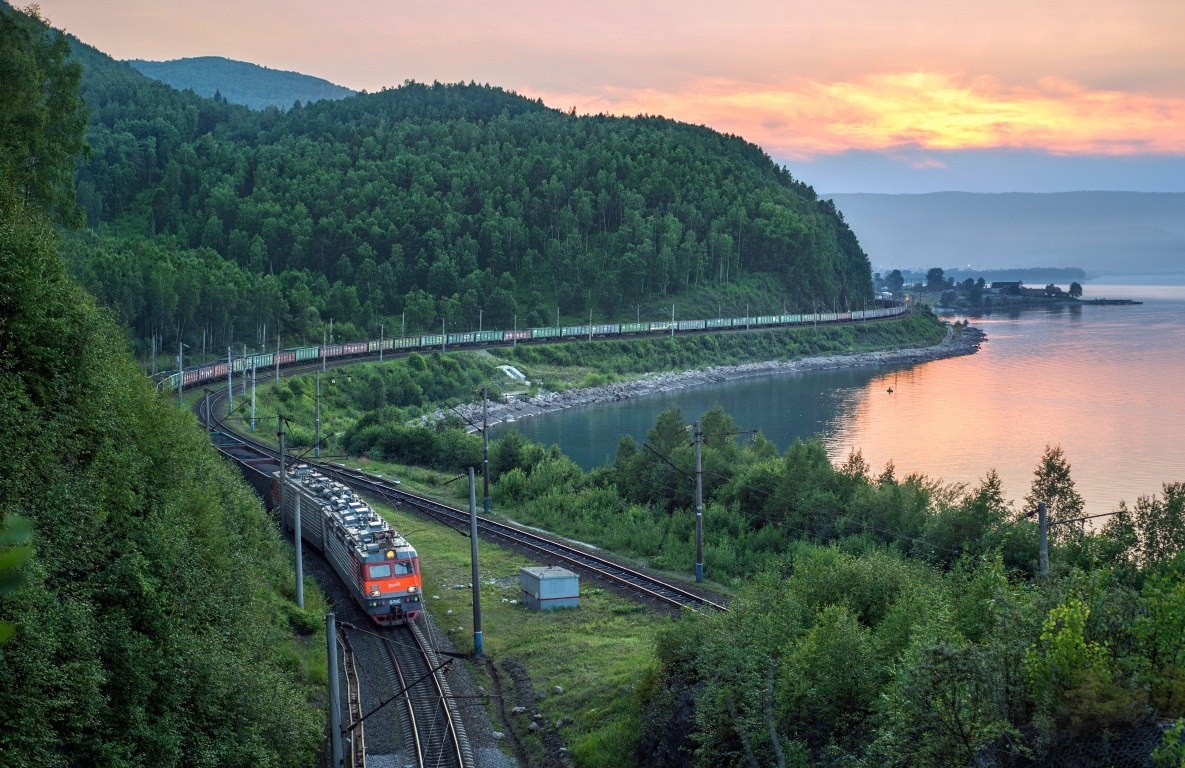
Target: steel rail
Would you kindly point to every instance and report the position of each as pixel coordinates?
(437, 740)
(353, 701)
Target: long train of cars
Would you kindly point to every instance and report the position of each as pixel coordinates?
(213, 372)
(378, 566)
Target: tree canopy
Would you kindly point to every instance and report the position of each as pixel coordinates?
(146, 624)
(428, 203)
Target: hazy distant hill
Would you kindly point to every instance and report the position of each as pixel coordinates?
(240, 82)
(1102, 232)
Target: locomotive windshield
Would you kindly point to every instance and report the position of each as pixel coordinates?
(387, 570)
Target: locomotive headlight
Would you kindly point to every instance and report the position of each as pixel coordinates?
(412, 588)
(374, 591)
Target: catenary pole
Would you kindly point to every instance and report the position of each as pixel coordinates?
(485, 451)
(477, 639)
(299, 543)
(283, 475)
(253, 377)
(317, 420)
(699, 505)
(180, 372)
(335, 706)
(230, 382)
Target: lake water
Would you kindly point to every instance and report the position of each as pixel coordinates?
(1103, 382)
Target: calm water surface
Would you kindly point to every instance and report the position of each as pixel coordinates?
(1104, 383)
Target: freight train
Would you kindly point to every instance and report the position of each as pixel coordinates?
(215, 372)
(379, 567)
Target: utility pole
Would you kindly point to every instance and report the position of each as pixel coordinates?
(1043, 545)
(443, 336)
(277, 358)
(244, 368)
(209, 416)
(335, 706)
(253, 378)
(283, 475)
(180, 373)
(485, 451)
(514, 338)
(230, 383)
(324, 349)
(699, 505)
(317, 420)
(295, 518)
(672, 320)
(381, 342)
(477, 640)
(299, 542)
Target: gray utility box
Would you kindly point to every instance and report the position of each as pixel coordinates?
(549, 587)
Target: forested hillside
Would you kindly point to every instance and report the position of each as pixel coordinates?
(426, 204)
(150, 625)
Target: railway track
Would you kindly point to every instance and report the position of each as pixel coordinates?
(649, 588)
(357, 755)
(433, 736)
(429, 713)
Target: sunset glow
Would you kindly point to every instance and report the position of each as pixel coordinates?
(924, 110)
(810, 84)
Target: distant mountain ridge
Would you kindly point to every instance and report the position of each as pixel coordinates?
(1101, 232)
(240, 82)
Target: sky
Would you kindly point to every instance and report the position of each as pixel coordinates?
(905, 96)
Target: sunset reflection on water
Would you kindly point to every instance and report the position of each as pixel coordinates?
(1101, 382)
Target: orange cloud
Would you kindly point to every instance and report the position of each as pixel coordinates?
(802, 119)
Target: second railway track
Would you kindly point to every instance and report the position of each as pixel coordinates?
(650, 589)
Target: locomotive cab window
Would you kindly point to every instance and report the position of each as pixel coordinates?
(405, 568)
(380, 571)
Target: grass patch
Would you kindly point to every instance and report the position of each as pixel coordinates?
(596, 653)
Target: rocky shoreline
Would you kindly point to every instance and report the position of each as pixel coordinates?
(965, 341)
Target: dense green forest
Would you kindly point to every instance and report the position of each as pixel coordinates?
(881, 620)
(151, 622)
(427, 204)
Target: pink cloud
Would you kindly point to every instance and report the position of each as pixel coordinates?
(803, 118)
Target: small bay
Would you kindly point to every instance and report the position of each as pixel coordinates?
(1103, 382)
